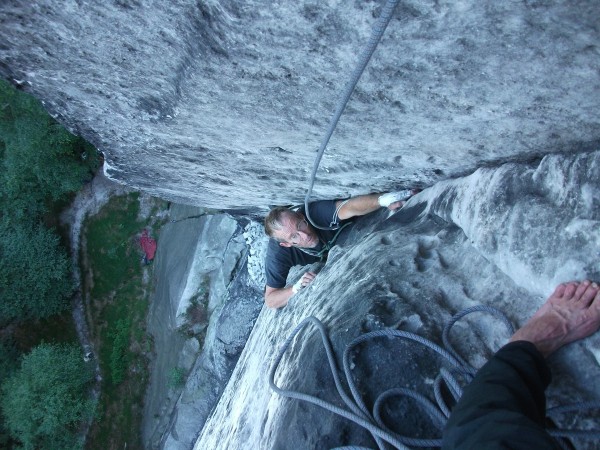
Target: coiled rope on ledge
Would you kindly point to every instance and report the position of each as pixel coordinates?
(376, 34)
(360, 414)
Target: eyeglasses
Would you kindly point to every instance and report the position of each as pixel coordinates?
(301, 227)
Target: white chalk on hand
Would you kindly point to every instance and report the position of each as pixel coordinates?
(386, 200)
(296, 287)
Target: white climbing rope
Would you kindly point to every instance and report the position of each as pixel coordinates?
(376, 34)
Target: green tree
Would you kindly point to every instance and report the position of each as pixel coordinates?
(41, 160)
(8, 358)
(47, 398)
(176, 377)
(35, 280)
(8, 365)
(41, 163)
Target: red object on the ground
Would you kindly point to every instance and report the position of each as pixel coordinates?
(148, 245)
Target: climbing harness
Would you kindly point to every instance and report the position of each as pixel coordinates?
(376, 34)
(326, 246)
(336, 214)
(360, 414)
(333, 225)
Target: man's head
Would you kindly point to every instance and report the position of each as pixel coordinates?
(290, 228)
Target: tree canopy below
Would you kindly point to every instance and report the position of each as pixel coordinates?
(41, 164)
(44, 401)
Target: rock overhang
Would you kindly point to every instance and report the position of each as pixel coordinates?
(223, 105)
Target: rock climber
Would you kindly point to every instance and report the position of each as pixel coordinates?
(504, 406)
(294, 241)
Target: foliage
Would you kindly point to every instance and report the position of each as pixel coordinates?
(4, 437)
(197, 314)
(113, 251)
(45, 400)
(40, 160)
(8, 359)
(197, 311)
(41, 163)
(35, 279)
(120, 345)
(176, 377)
(8, 364)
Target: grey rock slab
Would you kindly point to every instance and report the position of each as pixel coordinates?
(471, 241)
(189, 353)
(176, 248)
(222, 104)
(195, 252)
(224, 342)
(556, 205)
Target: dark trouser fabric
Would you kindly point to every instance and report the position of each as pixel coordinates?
(505, 405)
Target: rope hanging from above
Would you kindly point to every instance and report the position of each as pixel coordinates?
(377, 33)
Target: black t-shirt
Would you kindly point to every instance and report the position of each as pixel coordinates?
(281, 259)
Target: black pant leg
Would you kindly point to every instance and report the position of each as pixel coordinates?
(505, 405)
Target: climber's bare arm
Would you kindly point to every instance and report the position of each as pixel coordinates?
(365, 204)
(279, 297)
(358, 206)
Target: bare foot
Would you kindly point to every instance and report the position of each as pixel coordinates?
(571, 313)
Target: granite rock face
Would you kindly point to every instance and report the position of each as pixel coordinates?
(501, 237)
(200, 281)
(222, 104)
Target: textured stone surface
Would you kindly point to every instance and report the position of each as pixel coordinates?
(197, 254)
(223, 103)
(501, 237)
(224, 343)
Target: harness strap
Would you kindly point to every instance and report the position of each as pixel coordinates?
(327, 245)
(334, 223)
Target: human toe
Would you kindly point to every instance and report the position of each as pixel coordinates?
(559, 291)
(596, 303)
(581, 289)
(570, 290)
(590, 292)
